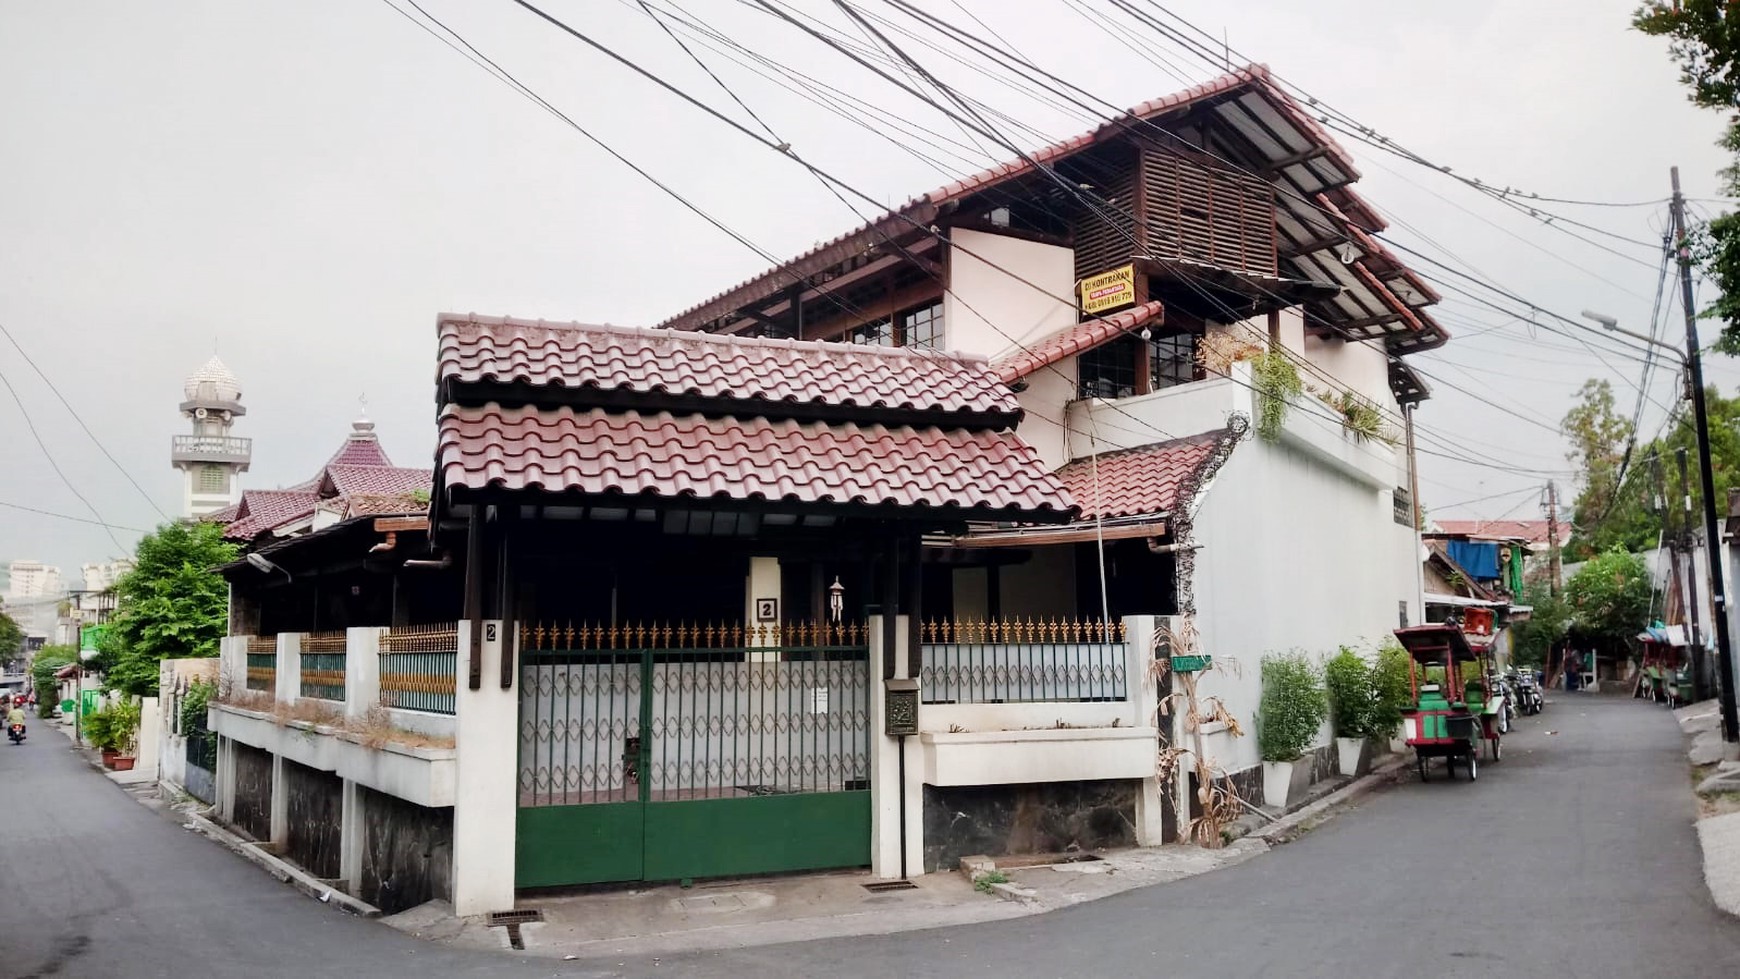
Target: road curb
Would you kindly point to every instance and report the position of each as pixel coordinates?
(283, 870)
(1289, 827)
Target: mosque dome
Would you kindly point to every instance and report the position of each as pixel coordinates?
(213, 382)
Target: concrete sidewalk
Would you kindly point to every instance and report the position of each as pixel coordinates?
(1716, 775)
(729, 914)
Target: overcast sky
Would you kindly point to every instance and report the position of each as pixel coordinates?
(301, 187)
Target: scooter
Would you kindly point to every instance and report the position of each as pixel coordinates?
(16, 733)
(1528, 693)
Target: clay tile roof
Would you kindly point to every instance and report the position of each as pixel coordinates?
(600, 453)
(1139, 482)
(263, 510)
(478, 349)
(347, 480)
(360, 452)
(1074, 339)
(1532, 531)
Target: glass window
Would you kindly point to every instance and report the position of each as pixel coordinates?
(878, 334)
(1171, 360)
(212, 479)
(1109, 370)
(922, 327)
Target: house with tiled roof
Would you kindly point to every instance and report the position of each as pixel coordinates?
(358, 479)
(843, 566)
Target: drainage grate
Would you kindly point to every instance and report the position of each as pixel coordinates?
(879, 886)
(514, 917)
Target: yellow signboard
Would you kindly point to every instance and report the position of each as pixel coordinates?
(1108, 290)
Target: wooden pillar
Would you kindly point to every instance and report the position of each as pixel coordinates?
(475, 575)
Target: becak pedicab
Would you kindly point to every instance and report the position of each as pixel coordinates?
(1450, 716)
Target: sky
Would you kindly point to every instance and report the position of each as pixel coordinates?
(301, 188)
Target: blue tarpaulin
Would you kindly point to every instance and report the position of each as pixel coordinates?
(1478, 558)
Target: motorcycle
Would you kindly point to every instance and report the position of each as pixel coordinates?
(16, 733)
(1528, 694)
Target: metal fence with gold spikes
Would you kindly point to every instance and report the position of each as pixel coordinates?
(690, 635)
(1023, 661)
(418, 667)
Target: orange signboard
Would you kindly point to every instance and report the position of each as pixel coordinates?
(1108, 290)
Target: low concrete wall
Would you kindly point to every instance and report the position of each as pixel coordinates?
(1005, 820)
(407, 853)
(425, 776)
(253, 790)
(1050, 755)
(312, 819)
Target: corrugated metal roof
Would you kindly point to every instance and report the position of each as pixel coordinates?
(601, 453)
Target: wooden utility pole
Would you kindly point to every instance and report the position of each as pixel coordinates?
(1712, 530)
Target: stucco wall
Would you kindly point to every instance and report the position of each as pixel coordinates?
(1296, 554)
(1045, 402)
(989, 311)
(1362, 367)
(407, 852)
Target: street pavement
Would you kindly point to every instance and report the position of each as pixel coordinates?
(1575, 856)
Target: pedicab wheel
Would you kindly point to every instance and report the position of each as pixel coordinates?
(1473, 766)
(1424, 777)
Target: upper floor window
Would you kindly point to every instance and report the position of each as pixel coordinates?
(213, 479)
(877, 334)
(919, 327)
(1130, 366)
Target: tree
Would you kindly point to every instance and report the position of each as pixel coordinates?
(1615, 507)
(48, 659)
(1533, 639)
(1705, 40)
(1610, 597)
(11, 639)
(172, 604)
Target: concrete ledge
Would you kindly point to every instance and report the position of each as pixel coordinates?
(287, 872)
(425, 776)
(1045, 755)
(1288, 827)
(1719, 836)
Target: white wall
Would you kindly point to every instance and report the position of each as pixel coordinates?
(1362, 367)
(990, 312)
(1190, 409)
(1046, 403)
(1296, 554)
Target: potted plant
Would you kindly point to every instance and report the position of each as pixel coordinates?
(124, 732)
(1291, 711)
(1393, 692)
(1352, 702)
(99, 731)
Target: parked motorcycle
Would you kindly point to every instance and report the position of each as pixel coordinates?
(1528, 693)
(16, 733)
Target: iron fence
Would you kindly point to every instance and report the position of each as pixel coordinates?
(323, 665)
(679, 712)
(418, 667)
(1023, 662)
(262, 670)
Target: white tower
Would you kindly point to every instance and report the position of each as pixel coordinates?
(211, 460)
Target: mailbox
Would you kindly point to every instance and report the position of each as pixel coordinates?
(901, 708)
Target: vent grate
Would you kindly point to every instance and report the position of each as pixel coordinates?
(497, 918)
(879, 886)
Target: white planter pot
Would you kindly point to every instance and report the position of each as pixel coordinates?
(1350, 751)
(1277, 782)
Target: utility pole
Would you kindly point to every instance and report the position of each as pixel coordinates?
(1712, 531)
(1688, 543)
(1553, 538)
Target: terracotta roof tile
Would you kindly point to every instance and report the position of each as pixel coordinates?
(262, 510)
(386, 504)
(1533, 531)
(1138, 482)
(1074, 339)
(346, 480)
(360, 452)
(595, 452)
(475, 349)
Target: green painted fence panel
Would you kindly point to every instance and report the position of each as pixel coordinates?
(768, 834)
(590, 844)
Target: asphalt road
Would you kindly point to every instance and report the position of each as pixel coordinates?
(1575, 856)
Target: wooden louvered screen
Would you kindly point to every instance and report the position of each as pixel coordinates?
(1105, 237)
(1200, 214)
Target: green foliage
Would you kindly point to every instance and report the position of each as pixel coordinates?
(124, 717)
(1293, 706)
(48, 659)
(193, 705)
(1704, 39)
(1606, 518)
(1533, 639)
(1359, 417)
(1610, 595)
(1352, 697)
(1389, 677)
(171, 605)
(983, 882)
(11, 638)
(100, 729)
(1277, 383)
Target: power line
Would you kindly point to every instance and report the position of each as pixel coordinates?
(87, 429)
(52, 464)
(68, 516)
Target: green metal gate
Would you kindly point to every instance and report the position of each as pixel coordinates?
(671, 752)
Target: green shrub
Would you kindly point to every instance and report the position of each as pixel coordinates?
(1352, 698)
(1277, 383)
(193, 705)
(48, 659)
(1390, 683)
(125, 716)
(1293, 706)
(100, 729)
